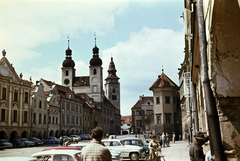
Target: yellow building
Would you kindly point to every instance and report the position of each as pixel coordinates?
(15, 102)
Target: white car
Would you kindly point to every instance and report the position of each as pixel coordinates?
(127, 151)
(58, 155)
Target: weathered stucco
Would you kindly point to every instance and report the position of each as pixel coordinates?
(224, 47)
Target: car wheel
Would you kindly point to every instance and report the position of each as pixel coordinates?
(134, 156)
(54, 142)
(27, 145)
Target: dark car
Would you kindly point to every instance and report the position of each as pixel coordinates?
(17, 142)
(35, 140)
(51, 140)
(85, 136)
(5, 143)
(136, 142)
(26, 142)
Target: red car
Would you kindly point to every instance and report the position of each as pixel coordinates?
(63, 148)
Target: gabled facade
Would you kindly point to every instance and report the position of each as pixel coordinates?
(141, 111)
(15, 104)
(39, 113)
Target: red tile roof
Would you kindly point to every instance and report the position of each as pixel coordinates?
(163, 81)
(81, 81)
(140, 102)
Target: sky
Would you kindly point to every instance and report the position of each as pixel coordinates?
(142, 36)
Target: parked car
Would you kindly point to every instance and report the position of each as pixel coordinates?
(26, 142)
(127, 151)
(5, 143)
(63, 147)
(55, 155)
(76, 137)
(85, 136)
(65, 138)
(36, 140)
(51, 140)
(18, 158)
(137, 142)
(17, 142)
(1, 145)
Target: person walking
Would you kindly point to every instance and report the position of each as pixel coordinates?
(173, 137)
(153, 145)
(96, 150)
(61, 141)
(196, 150)
(163, 140)
(67, 142)
(167, 139)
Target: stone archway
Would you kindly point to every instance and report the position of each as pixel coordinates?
(73, 132)
(34, 134)
(24, 134)
(57, 134)
(51, 133)
(14, 135)
(63, 133)
(3, 135)
(40, 135)
(45, 135)
(68, 133)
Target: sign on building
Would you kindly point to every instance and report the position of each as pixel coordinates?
(187, 84)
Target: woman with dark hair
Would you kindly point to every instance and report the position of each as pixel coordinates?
(153, 145)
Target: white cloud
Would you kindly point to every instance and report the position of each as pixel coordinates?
(139, 61)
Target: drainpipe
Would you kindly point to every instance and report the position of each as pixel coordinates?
(212, 115)
(194, 110)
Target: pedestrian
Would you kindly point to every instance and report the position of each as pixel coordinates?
(67, 142)
(96, 150)
(61, 141)
(74, 139)
(173, 137)
(167, 139)
(153, 145)
(163, 140)
(196, 150)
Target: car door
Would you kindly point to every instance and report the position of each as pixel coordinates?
(117, 146)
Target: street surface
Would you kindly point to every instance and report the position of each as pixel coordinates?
(176, 152)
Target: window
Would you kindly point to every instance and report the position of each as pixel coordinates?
(168, 118)
(159, 119)
(114, 97)
(77, 108)
(40, 104)
(113, 91)
(167, 99)
(94, 71)
(56, 120)
(4, 93)
(138, 113)
(66, 72)
(53, 119)
(139, 122)
(15, 116)
(73, 121)
(34, 118)
(15, 95)
(174, 100)
(26, 97)
(63, 118)
(3, 115)
(49, 119)
(157, 100)
(67, 119)
(40, 119)
(25, 116)
(45, 119)
(148, 112)
(76, 120)
(67, 106)
(73, 107)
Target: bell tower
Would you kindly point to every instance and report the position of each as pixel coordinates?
(112, 86)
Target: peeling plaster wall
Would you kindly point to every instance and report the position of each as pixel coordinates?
(224, 48)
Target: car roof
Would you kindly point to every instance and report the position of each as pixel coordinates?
(18, 158)
(51, 152)
(63, 147)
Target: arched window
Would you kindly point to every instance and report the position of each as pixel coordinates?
(94, 71)
(66, 72)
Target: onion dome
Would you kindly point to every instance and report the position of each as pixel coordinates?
(68, 62)
(95, 61)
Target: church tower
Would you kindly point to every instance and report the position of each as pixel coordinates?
(95, 76)
(68, 70)
(112, 86)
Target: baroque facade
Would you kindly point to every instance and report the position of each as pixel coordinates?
(15, 105)
(209, 75)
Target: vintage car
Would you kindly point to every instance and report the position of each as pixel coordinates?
(137, 142)
(58, 155)
(26, 142)
(127, 151)
(5, 143)
(51, 140)
(35, 140)
(76, 137)
(63, 147)
(17, 142)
